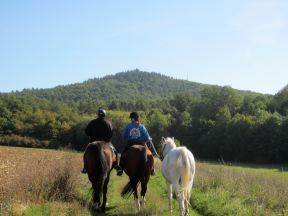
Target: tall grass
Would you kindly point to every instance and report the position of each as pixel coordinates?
(36, 176)
(223, 190)
(44, 182)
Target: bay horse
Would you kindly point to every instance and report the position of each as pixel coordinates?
(137, 162)
(98, 160)
(178, 168)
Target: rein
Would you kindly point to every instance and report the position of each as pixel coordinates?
(155, 150)
(161, 154)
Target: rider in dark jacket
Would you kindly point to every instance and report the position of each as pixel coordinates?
(100, 129)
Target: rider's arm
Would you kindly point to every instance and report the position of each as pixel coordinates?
(88, 130)
(126, 133)
(145, 135)
(110, 130)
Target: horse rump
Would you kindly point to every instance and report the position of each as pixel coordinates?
(95, 160)
(133, 163)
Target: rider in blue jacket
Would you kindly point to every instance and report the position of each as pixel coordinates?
(136, 133)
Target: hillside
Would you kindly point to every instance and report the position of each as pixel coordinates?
(221, 123)
(280, 101)
(128, 85)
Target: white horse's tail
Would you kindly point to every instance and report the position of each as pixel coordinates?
(186, 165)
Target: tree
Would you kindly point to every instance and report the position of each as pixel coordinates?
(215, 98)
(157, 126)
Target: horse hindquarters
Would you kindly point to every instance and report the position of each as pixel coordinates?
(97, 170)
(136, 165)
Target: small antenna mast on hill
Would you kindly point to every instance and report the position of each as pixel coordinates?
(187, 77)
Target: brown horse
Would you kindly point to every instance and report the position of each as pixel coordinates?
(98, 159)
(137, 162)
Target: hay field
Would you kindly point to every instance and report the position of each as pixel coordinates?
(36, 176)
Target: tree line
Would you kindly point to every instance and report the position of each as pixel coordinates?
(219, 123)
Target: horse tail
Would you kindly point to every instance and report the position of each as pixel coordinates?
(127, 190)
(134, 180)
(96, 152)
(187, 169)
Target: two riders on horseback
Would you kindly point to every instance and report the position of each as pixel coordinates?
(100, 129)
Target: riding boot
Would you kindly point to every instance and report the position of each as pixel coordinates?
(116, 165)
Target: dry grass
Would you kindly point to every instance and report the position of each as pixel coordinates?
(35, 176)
(29, 177)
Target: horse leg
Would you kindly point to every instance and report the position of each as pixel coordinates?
(144, 183)
(137, 202)
(96, 196)
(188, 196)
(135, 193)
(105, 189)
(169, 190)
(180, 198)
(186, 202)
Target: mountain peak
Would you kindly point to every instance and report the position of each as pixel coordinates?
(128, 85)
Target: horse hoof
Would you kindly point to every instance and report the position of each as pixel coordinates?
(96, 207)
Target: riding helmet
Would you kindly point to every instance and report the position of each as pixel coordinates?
(134, 115)
(101, 113)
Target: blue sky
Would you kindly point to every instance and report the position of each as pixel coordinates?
(242, 44)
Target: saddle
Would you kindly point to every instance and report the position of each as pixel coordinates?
(148, 152)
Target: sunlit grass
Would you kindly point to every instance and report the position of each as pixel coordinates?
(36, 176)
(250, 190)
(45, 182)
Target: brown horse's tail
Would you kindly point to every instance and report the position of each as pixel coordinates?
(128, 189)
(135, 180)
(96, 155)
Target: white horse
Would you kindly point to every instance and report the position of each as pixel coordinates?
(178, 168)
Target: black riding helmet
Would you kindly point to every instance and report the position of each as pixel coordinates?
(134, 115)
(101, 113)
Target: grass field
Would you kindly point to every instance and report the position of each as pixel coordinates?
(47, 182)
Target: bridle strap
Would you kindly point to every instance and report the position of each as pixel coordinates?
(161, 154)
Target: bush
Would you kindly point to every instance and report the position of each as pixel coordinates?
(19, 141)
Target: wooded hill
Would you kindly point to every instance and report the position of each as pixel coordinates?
(130, 85)
(214, 122)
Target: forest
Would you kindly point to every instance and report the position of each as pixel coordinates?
(215, 123)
